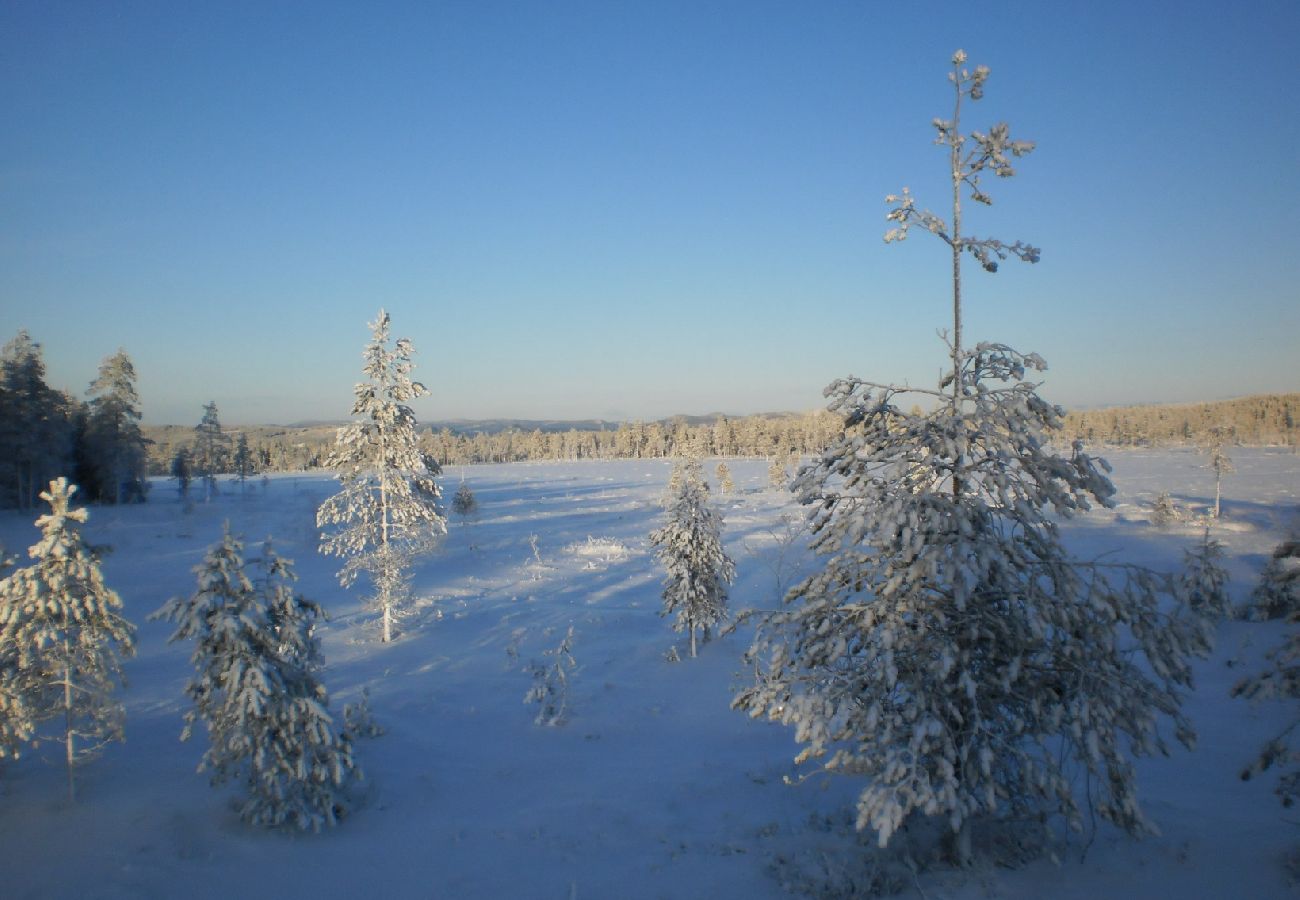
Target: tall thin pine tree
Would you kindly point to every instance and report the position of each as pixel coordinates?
(387, 512)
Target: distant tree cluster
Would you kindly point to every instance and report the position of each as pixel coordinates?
(1264, 420)
(47, 434)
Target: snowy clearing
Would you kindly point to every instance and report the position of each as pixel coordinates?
(653, 787)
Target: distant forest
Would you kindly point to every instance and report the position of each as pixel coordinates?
(1257, 421)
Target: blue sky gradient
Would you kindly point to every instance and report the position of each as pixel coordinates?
(626, 210)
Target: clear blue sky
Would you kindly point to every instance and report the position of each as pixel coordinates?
(632, 210)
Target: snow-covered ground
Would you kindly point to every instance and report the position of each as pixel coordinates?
(653, 788)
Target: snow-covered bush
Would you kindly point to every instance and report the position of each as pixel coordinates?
(1203, 583)
(387, 511)
(550, 690)
(62, 638)
(1165, 512)
(257, 692)
(464, 504)
(359, 719)
(690, 547)
(950, 650)
(1277, 595)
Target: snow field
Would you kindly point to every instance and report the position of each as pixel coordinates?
(653, 788)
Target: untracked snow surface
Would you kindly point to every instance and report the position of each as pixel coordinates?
(653, 787)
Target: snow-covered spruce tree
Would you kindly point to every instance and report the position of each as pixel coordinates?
(387, 511)
(62, 631)
(15, 720)
(1280, 681)
(114, 441)
(777, 476)
(181, 471)
(243, 459)
(211, 449)
(1277, 595)
(464, 504)
(725, 484)
(1203, 583)
(690, 547)
(257, 691)
(950, 650)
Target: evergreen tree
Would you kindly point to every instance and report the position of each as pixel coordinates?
(257, 691)
(1277, 596)
(464, 503)
(690, 547)
(950, 650)
(1220, 462)
(181, 471)
(777, 476)
(62, 635)
(387, 509)
(211, 449)
(117, 448)
(725, 484)
(1280, 681)
(35, 424)
(1203, 583)
(243, 458)
(1164, 511)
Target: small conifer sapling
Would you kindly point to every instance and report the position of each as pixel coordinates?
(62, 637)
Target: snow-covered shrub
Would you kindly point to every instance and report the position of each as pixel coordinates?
(62, 638)
(359, 719)
(387, 510)
(690, 547)
(464, 504)
(257, 692)
(1165, 512)
(1203, 583)
(550, 690)
(1277, 595)
(950, 650)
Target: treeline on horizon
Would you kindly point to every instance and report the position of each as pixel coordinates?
(1266, 420)
(99, 443)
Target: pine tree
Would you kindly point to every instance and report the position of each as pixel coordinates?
(1220, 462)
(690, 547)
(62, 632)
(243, 459)
(725, 484)
(464, 503)
(211, 449)
(777, 476)
(1277, 596)
(388, 506)
(181, 471)
(256, 690)
(1203, 583)
(1280, 681)
(35, 423)
(951, 651)
(116, 445)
